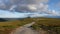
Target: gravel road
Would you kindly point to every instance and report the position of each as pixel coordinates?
(24, 29)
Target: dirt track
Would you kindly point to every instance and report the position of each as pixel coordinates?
(26, 30)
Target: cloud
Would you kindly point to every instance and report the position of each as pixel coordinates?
(38, 6)
(8, 14)
(31, 5)
(2, 5)
(6, 4)
(34, 6)
(41, 7)
(28, 1)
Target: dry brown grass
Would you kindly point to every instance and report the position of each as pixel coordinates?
(7, 27)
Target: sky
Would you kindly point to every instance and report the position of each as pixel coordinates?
(54, 4)
(24, 8)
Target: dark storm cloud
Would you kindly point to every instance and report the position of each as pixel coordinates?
(8, 3)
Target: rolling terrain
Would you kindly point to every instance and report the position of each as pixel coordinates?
(52, 24)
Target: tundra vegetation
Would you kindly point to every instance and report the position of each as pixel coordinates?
(52, 25)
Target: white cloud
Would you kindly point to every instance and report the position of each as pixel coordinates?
(54, 12)
(32, 7)
(13, 7)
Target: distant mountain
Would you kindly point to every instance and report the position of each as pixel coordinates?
(53, 16)
(2, 20)
(6, 19)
